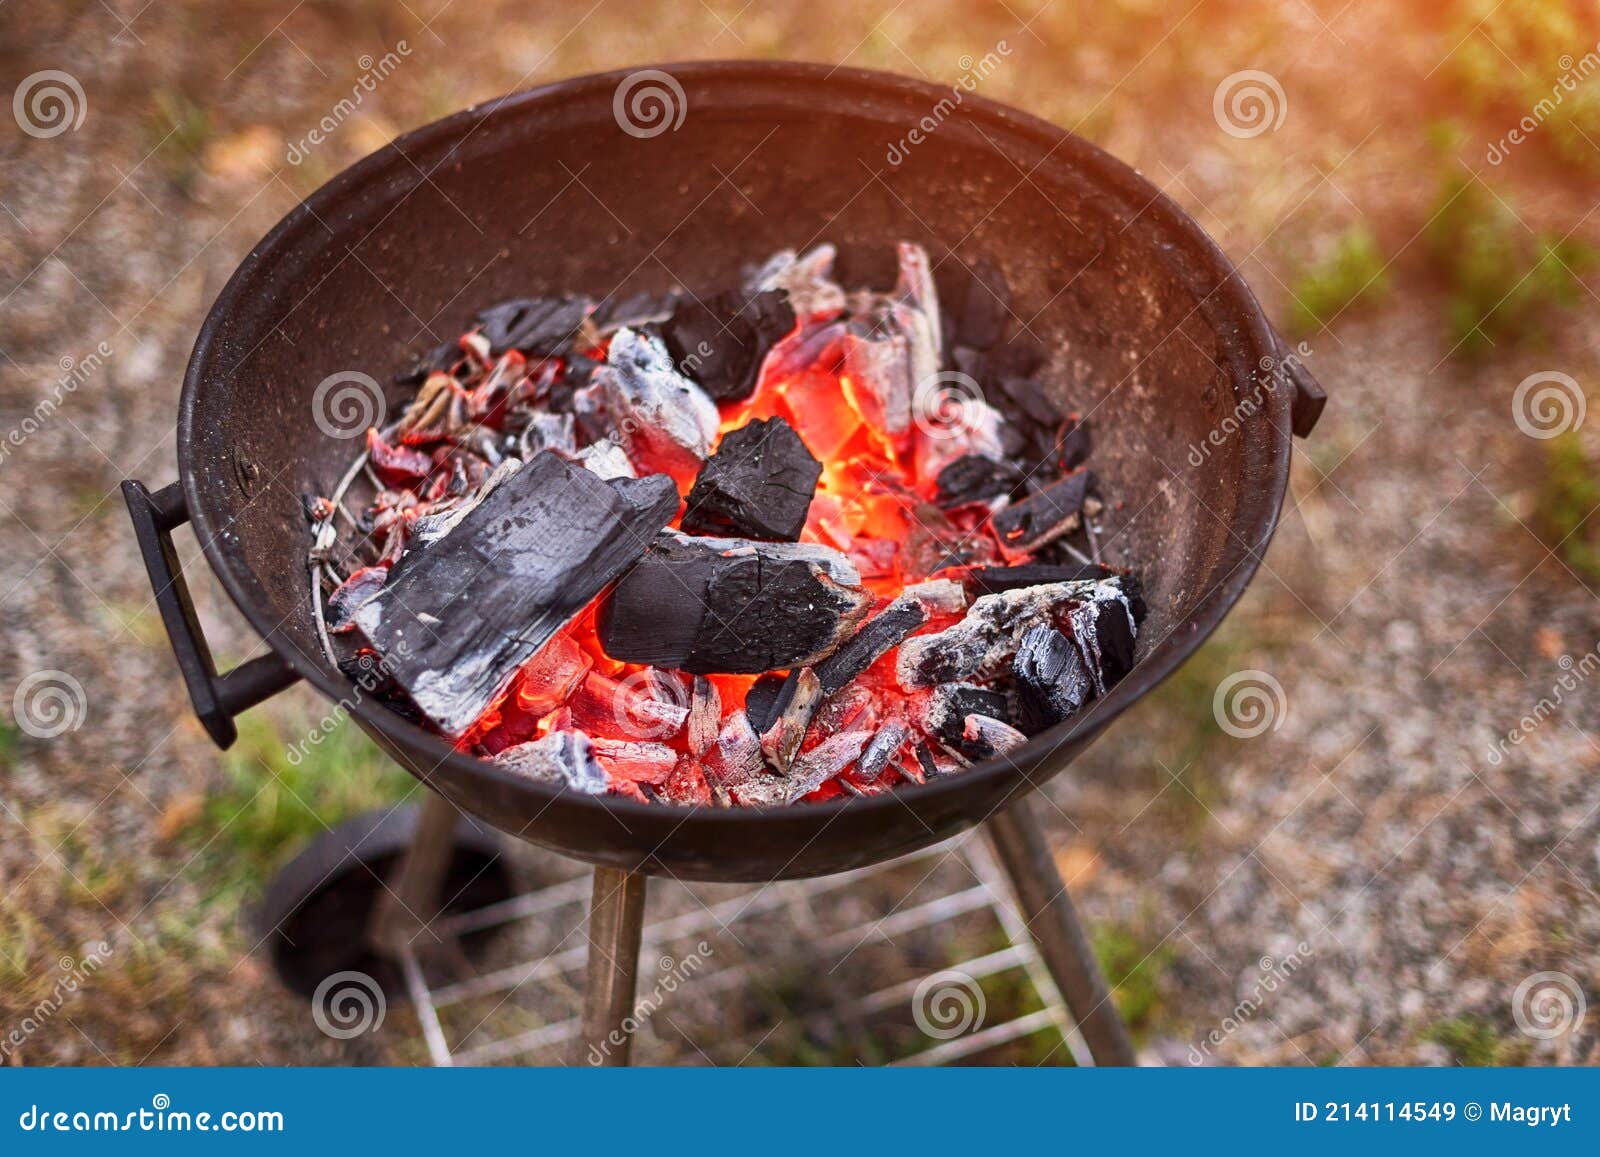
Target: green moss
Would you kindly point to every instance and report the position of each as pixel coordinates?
(1568, 494)
(1135, 972)
(1352, 270)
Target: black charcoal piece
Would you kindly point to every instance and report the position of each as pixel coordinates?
(458, 618)
(796, 703)
(1103, 630)
(721, 341)
(710, 605)
(986, 310)
(758, 484)
(983, 643)
(1044, 515)
(908, 611)
(767, 697)
(437, 360)
(1052, 679)
(944, 711)
(640, 309)
(542, 326)
(1072, 444)
(984, 737)
(989, 580)
(975, 478)
(563, 758)
(880, 749)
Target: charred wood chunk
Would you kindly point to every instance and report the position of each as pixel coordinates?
(721, 341)
(705, 716)
(795, 703)
(1104, 632)
(458, 618)
(911, 609)
(975, 478)
(635, 760)
(657, 413)
(639, 310)
(562, 758)
(942, 714)
(1045, 515)
(1072, 443)
(828, 759)
(982, 644)
(986, 310)
(808, 280)
(544, 326)
(735, 759)
(984, 737)
(990, 580)
(710, 605)
(355, 590)
(1052, 679)
(881, 749)
(758, 484)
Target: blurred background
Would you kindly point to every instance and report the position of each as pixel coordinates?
(1411, 189)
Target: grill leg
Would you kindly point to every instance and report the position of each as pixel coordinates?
(412, 900)
(616, 923)
(1050, 916)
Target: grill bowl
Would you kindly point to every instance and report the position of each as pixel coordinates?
(1155, 335)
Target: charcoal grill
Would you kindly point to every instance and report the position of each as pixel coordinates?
(554, 189)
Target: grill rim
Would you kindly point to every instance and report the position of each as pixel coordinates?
(1264, 452)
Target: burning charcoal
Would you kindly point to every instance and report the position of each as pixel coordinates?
(548, 432)
(758, 484)
(562, 757)
(892, 344)
(986, 308)
(975, 478)
(705, 716)
(351, 593)
(634, 760)
(911, 609)
(458, 618)
(396, 465)
(1052, 679)
(990, 580)
(606, 459)
(736, 758)
(543, 326)
(811, 347)
(984, 737)
(721, 341)
(1104, 632)
(549, 679)
(823, 762)
(709, 605)
(661, 416)
(849, 710)
(982, 644)
(1043, 516)
(687, 785)
(942, 713)
(808, 280)
(603, 704)
(795, 704)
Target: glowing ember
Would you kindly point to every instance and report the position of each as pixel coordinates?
(891, 511)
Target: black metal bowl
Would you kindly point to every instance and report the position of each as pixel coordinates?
(1154, 332)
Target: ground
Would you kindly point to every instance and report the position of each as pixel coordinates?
(1417, 822)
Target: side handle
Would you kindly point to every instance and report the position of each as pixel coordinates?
(1309, 396)
(217, 698)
